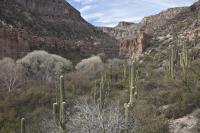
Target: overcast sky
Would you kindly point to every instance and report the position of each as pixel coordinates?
(110, 12)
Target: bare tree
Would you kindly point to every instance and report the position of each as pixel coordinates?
(90, 119)
(11, 75)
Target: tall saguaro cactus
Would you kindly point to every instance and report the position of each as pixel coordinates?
(184, 60)
(133, 76)
(94, 92)
(172, 61)
(59, 107)
(124, 72)
(133, 81)
(102, 92)
(23, 125)
(126, 107)
(101, 89)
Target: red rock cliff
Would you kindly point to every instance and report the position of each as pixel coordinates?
(134, 48)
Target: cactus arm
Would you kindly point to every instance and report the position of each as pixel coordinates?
(62, 115)
(61, 89)
(23, 125)
(55, 108)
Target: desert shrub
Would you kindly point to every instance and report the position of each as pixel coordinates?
(8, 118)
(90, 66)
(147, 120)
(78, 84)
(11, 74)
(115, 62)
(102, 56)
(181, 96)
(40, 65)
(40, 121)
(14, 106)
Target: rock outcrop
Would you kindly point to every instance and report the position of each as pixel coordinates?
(152, 23)
(124, 30)
(54, 26)
(196, 6)
(186, 124)
(134, 48)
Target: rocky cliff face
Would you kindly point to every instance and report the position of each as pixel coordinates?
(134, 48)
(124, 30)
(128, 30)
(196, 6)
(52, 25)
(154, 22)
(161, 25)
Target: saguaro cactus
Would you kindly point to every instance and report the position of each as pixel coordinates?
(184, 60)
(62, 116)
(59, 108)
(94, 92)
(124, 72)
(133, 76)
(23, 125)
(103, 90)
(102, 85)
(133, 81)
(55, 111)
(126, 107)
(172, 61)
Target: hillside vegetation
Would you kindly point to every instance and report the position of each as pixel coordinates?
(99, 95)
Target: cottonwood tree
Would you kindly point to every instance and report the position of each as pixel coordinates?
(40, 65)
(91, 119)
(90, 65)
(11, 74)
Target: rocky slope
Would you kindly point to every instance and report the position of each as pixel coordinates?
(124, 30)
(185, 27)
(153, 26)
(127, 30)
(52, 25)
(186, 124)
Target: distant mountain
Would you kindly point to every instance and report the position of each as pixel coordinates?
(128, 30)
(52, 25)
(156, 30)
